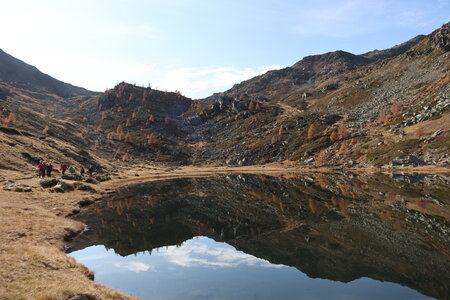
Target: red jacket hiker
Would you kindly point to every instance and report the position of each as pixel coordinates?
(63, 168)
(41, 167)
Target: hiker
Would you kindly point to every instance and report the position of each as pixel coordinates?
(90, 170)
(44, 171)
(41, 168)
(49, 169)
(82, 171)
(63, 168)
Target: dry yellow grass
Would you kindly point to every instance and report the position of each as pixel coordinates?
(430, 126)
(33, 262)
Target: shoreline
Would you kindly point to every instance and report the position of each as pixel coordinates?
(37, 224)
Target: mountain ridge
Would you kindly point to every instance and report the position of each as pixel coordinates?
(378, 96)
(23, 75)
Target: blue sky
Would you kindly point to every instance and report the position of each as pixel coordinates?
(200, 46)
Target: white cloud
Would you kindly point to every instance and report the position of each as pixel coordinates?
(133, 266)
(203, 81)
(197, 254)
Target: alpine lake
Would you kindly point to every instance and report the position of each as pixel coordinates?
(297, 236)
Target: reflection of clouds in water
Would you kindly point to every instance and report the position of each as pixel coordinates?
(197, 254)
(94, 257)
(133, 266)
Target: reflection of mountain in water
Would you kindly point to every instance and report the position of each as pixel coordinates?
(326, 226)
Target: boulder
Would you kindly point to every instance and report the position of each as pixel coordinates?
(72, 177)
(90, 180)
(102, 178)
(84, 187)
(83, 297)
(85, 202)
(48, 183)
(18, 187)
(331, 119)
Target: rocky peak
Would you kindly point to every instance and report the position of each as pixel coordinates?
(394, 51)
(438, 40)
(125, 95)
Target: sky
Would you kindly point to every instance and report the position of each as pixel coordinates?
(200, 46)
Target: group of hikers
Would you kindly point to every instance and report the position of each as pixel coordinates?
(45, 169)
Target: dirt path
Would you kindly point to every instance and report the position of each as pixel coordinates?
(288, 112)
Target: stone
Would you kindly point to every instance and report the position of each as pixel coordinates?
(407, 161)
(90, 180)
(72, 177)
(48, 183)
(84, 187)
(102, 178)
(331, 119)
(18, 187)
(85, 202)
(82, 297)
(408, 178)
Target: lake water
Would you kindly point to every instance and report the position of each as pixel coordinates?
(261, 237)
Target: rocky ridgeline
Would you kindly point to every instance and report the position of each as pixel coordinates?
(126, 95)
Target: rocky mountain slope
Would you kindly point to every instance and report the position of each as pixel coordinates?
(361, 108)
(334, 109)
(33, 123)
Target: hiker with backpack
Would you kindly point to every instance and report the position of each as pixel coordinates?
(49, 169)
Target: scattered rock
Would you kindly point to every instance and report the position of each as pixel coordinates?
(407, 161)
(434, 135)
(408, 178)
(440, 103)
(331, 119)
(18, 187)
(350, 163)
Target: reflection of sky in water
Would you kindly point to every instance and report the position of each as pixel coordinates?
(204, 269)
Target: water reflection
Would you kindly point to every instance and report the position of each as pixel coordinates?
(326, 226)
(204, 269)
